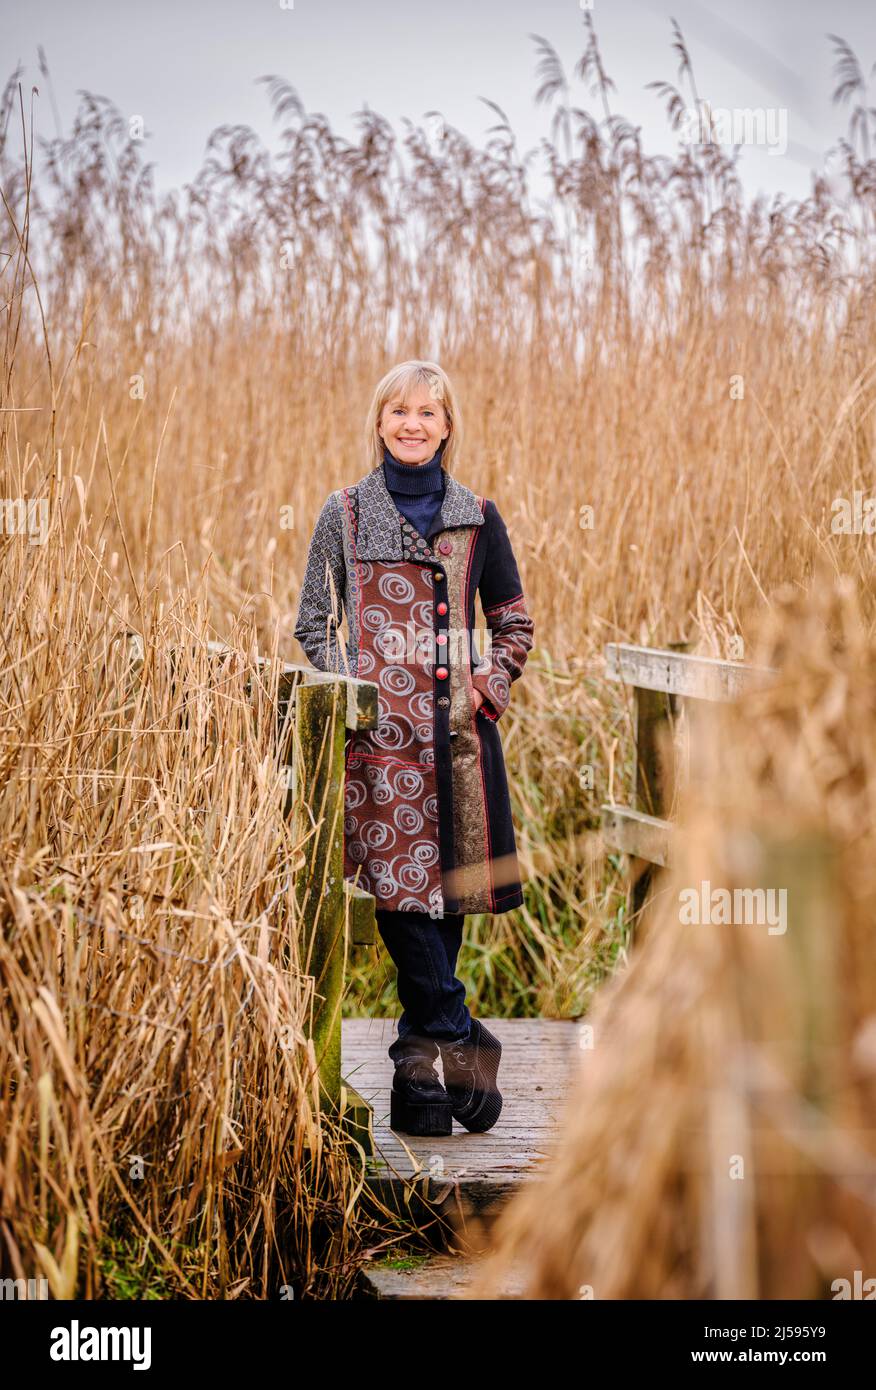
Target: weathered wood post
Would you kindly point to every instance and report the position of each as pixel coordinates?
(656, 711)
(318, 813)
(662, 678)
(776, 1097)
(807, 867)
(332, 912)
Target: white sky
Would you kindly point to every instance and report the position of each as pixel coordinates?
(187, 66)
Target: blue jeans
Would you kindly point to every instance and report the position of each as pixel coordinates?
(424, 950)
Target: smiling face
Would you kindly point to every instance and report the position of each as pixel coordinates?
(413, 429)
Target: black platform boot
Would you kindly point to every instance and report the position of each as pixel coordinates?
(418, 1103)
(470, 1070)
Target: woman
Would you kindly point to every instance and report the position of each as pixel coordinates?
(427, 813)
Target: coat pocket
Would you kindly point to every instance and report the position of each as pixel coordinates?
(391, 827)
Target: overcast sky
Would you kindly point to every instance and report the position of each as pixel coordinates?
(187, 66)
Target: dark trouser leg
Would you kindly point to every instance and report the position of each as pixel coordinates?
(424, 950)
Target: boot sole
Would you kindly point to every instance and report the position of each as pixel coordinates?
(490, 1107)
(486, 1116)
(430, 1118)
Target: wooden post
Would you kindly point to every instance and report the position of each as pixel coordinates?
(807, 866)
(779, 1096)
(655, 713)
(333, 912)
(662, 678)
(320, 729)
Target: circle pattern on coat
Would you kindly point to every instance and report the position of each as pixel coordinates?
(391, 801)
(499, 688)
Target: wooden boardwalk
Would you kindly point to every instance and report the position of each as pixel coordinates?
(440, 1277)
(465, 1174)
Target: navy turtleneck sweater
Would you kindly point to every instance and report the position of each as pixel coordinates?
(417, 489)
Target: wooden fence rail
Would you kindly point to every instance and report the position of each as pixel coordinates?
(661, 678)
(333, 912)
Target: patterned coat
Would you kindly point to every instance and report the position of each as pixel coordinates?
(427, 810)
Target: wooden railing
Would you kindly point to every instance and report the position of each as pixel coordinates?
(661, 679)
(333, 913)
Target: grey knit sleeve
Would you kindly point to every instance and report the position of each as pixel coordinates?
(320, 603)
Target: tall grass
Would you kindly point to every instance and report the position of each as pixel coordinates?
(719, 1134)
(184, 378)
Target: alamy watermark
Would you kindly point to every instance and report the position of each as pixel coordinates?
(856, 1287)
(855, 516)
(26, 516)
(11, 1289)
(735, 125)
(415, 643)
(75, 1343)
(742, 907)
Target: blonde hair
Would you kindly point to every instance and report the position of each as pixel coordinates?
(398, 382)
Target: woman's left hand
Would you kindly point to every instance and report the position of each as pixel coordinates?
(478, 699)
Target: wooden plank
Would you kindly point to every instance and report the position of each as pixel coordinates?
(632, 832)
(433, 1277)
(675, 673)
(538, 1059)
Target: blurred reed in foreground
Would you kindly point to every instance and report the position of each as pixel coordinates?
(720, 1140)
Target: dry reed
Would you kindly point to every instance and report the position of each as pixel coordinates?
(183, 379)
(720, 1136)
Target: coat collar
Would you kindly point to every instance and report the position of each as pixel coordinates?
(380, 522)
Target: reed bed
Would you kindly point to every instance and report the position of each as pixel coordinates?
(720, 1135)
(183, 380)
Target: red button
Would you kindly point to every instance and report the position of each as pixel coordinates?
(446, 547)
(441, 673)
(441, 608)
